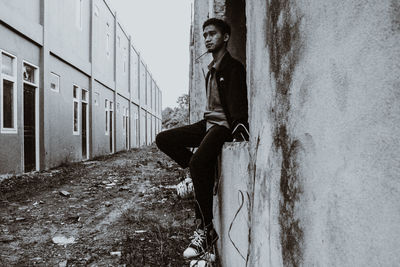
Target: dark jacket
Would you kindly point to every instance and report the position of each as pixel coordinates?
(232, 88)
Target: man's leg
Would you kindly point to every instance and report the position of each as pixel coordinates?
(175, 142)
(202, 168)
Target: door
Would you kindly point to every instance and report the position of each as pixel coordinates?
(127, 130)
(29, 128)
(111, 131)
(84, 130)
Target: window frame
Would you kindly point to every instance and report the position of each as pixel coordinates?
(12, 79)
(58, 80)
(96, 98)
(79, 14)
(76, 100)
(87, 95)
(108, 40)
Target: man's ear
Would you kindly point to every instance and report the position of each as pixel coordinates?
(226, 37)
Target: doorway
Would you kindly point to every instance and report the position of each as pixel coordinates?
(31, 117)
(29, 128)
(127, 127)
(84, 128)
(111, 123)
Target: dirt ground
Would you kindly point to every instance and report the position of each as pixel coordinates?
(118, 210)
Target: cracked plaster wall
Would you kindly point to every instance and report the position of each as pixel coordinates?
(324, 110)
(325, 116)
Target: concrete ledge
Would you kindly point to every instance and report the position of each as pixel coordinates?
(232, 194)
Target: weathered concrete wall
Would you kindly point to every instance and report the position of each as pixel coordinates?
(324, 109)
(233, 199)
(199, 63)
(325, 118)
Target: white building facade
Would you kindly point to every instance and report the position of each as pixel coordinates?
(73, 86)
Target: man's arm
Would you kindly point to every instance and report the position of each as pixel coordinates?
(238, 104)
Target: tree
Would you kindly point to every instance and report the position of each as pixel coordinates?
(179, 116)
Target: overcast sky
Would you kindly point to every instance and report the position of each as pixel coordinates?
(160, 30)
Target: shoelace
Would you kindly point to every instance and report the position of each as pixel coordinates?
(198, 238)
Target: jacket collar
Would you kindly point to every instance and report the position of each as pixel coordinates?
(223, 64)
(215, 63)
(225, 61)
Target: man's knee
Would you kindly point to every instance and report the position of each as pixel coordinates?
(161, 139)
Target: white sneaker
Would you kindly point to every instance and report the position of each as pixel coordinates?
(204, 261)
(197, 245)
(185, 188)
(201, 244)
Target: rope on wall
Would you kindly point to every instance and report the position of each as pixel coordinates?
(233, 220)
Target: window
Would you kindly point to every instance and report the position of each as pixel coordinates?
(8, 99)
(30, 74)
(108, 109)
(108, 39)
(96, 98)
(8, 93)
(75, 94)
(54, 82)
(79, 13)
(125, 63)
(108, 45)
(84, 95)
(7, 64)
(123, 119)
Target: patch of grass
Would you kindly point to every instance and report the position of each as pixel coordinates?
(159, 246)
(165, 235)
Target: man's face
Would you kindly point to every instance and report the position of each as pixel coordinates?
(213, 38)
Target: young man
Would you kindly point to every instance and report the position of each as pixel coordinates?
(225, 119)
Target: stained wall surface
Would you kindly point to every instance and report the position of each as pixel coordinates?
(231, 205)
(325, 117)
(324, 109)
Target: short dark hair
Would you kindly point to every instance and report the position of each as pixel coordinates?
(218, 23)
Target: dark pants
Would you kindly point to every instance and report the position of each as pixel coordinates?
(202, 163)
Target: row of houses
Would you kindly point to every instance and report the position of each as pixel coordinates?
(73, 86)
